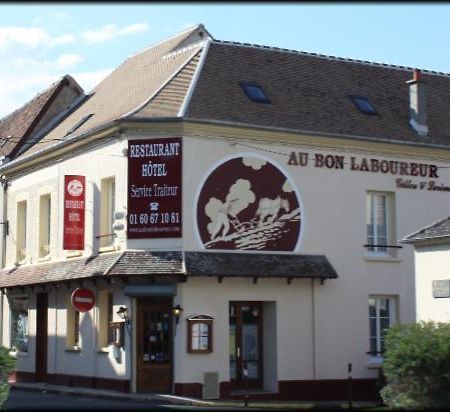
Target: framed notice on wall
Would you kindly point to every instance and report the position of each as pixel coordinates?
(74, 206)
(154, 188)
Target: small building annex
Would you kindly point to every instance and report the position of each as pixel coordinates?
(218, 215)
(432, 265)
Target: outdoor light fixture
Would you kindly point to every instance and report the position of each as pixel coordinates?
(123, 314)
(177, 312)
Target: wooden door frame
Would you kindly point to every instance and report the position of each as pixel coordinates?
(238, 383)
(41, 347)
(138, 334)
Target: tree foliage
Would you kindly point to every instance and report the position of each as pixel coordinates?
(7, 365)
(417, 366)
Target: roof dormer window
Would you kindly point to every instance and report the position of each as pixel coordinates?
(255, 92)
(363, 104)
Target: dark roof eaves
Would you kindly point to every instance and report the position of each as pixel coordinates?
(413, 236)
(317, 133)
(328, 57)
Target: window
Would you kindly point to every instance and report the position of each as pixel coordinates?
(107, 205)
(363, 104)
(21, 235)
(380, 221)
(44, 225)
(105, 317)
(73, 338)
(254, 92)
(381, 317)
(19, 324)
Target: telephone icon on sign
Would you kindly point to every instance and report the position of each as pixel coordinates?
(154, 206)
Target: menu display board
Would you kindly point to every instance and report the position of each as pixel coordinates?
(154, 188)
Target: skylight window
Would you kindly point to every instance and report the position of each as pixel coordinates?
(255, 92)
(79, 123)
(363, 104)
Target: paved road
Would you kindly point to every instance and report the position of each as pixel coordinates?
(41, 400)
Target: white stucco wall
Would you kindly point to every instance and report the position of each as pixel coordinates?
(432, 263)
(333, 224)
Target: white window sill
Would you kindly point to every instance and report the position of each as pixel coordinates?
(73, 348)
(19, 354)
(104, 349)
(105, 249)
(73, 254)
(44, 258)
(381, 258)
(375, 361)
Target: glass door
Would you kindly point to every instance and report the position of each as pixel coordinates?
(246, 345)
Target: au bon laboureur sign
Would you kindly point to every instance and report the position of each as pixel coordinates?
(154, 188)
(74, 206)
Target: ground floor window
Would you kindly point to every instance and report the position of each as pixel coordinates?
(19, 324)
(381, 317)
(73, 326)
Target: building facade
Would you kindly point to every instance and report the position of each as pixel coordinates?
(234, 210)
(432, 263)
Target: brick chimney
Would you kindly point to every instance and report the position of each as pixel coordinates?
(417, 103)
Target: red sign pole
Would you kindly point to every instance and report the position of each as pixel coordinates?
(74, 206)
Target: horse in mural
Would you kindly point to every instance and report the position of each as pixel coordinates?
(268, 209)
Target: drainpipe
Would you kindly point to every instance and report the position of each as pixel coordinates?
(4, 220)
(313, 334)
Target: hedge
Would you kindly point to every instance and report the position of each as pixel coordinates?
(417, 366)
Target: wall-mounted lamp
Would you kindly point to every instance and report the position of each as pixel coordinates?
(176, 311)
(123, 314)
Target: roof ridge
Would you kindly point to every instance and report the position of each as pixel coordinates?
(329, 57)
(47, 89)
(163, 85)
(167, 39)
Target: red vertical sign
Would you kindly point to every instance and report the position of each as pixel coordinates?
(74, 199)
(154, 188)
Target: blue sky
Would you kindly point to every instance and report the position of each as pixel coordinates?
(39, 43)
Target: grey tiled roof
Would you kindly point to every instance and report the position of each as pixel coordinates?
(256, 264)
(76, 268)
(437, 230)
(18, 125)
(142, 263)
(195, 77)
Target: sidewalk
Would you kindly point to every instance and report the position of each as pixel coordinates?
(163, 399)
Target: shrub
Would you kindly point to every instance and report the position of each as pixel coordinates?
(417, 366)
(7, 365)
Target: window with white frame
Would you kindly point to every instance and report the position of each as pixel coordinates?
(380, 222)
(44, 225)
(19, 324)
(73, 339)
(381, 317)
(21, 231)
(107, 206)
(105, 317)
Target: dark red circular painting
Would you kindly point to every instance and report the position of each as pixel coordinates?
(247, 203)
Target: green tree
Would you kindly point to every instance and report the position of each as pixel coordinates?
(417, 366)
(7, 365)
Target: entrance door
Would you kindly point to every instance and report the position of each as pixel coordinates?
(41, 336)
(246, 345)
(154, 345)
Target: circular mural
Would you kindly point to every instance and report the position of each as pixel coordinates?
(247, 203)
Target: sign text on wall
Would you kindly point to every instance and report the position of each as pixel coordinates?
(74, 206)
(154, 188)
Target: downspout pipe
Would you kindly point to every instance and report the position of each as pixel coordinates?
(4, 222)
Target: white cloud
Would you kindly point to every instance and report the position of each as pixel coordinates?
(32, 37)
(66, 61)
(112, 31)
